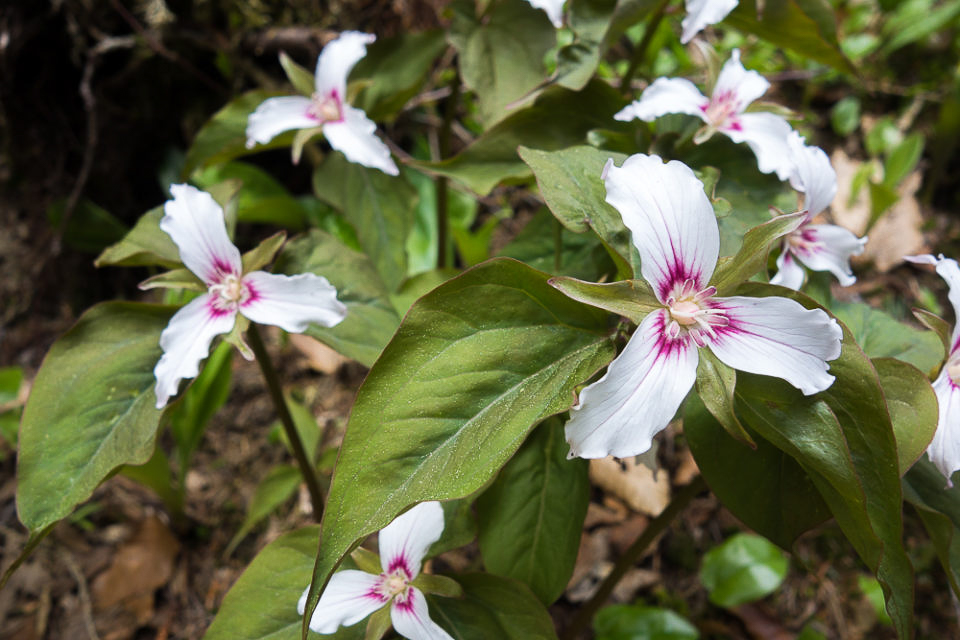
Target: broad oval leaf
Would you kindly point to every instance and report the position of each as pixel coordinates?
(474, 365)
(913, 408)
(939, 508)
(145, 244)
(531, 516)
(881, 336)
(635, 622)
(91, 409)
(742, 569)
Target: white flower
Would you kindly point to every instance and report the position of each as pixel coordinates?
(676, 234)
(195, 222)
(347, 129)
(944, 450)
(353, 595)
(701, 13)
(553, 9)
(765, 133)
(821, 247)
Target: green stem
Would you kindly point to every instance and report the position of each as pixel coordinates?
(641, 51)
(630, 557)
(557, 245)
(307, 469)
(443, 183)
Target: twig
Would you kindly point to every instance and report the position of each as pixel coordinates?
(82, 592)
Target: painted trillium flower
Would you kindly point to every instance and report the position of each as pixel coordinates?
(702, 13)
(944, 450)
(820, 247)
(553, 9)
(353, 595)
(346, 128)
(676, 233)
(195, 222)
(765, 133)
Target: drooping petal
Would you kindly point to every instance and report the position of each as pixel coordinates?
(666, 95)
(737, 84)
(276, 115)
(813, 174)
(349, 597)
(405, 541)
(411, 619)
(668, 213)
(291, 302)
(337, 59)
(778, 337)
(789, 273)
(949, 270)
(638, 395)
(186, 341)
(830, 250)
(194, 221)
(701, 13)
(766, 134)
(944, 450)
(355, 136)
(553, 9)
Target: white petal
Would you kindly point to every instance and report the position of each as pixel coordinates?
(766, 134)
(405, 541)
(337, 59)
(741, 85)
(789, 273)
(553, 9)
(778, 337)
(350, 597)
(944, 450)
(195, 222)
(666, 95)
(833, 251)
(813, 174)
(701, 13)
(411, 619)
(949, 271)
(355, 137)
(276, 115)
(638, 395)
(292, 302)
(185, 342)
(670, 217)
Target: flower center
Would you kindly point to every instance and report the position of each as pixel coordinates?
(230, 293)
(804, 241)
(723, 104)
(326, 108)
(692, 314)
(953, 370)
(394, 584)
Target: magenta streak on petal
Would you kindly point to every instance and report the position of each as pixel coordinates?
(401, 563)
(374, 593)
(735, 126)
(667, 346)
(217, 311)
(677, 273)
(956, 345)
(405, 602)
(253, 295)
(336, 96)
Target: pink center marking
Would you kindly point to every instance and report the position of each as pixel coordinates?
(229, 294)
(326, 108)
(723, 106)
(692, 313)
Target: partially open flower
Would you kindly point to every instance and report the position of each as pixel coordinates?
(724, 111)
(346, 128)
(195, 222)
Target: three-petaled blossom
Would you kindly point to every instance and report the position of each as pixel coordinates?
(195, 222)
(675, 231)
(821, 247)
(553, 9)
(944, 449)
(701, 13)
(765, 133)
(346, 128)
(353, 595)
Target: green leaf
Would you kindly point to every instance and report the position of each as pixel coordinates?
(181, 278)
(90, 227)
(145, 244)
(301, 79)
(261, 197)
(845, 116)
(459, 526)
(379, 206)
(500, 53)
(155, 474)
(224, 136)
(532, 514)
(940, 327)
(91, 409)
(492, 607)
(752, 256)
(881, 336)
(590, 21)
(913, 408)
(558, 119)
(439, 585)
(633, 299)
(262, 604)
(264, 253)
(939, 508)
(916, 21)
(306, 425)
(873, 592)
(394, 70)
(371, 318)
(763, 487)
(903, 159)
(805, 26)
(10, 380)
(715, 386)
(420, 284)
(277, 487)
(742, 569)
(635, 622)
(442, 386)
(882, 198)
